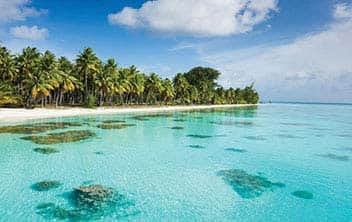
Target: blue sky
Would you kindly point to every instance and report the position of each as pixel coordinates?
(294, 50)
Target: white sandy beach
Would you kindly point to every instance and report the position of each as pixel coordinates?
(17, 115)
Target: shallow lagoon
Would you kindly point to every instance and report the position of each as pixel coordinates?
(164, 179)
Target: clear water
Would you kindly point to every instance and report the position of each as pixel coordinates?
(153, 165)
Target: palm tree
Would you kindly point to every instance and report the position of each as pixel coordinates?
(8, 95)
(182, 89)
(153, 87)
(88, 65)
(67, 81)
(49, 73)
(33, 76)
(138, 84)
(124, 85)
(168, 92)
(137, 81)
(105, 80)
(29, 63)
(8, 67)
(40, 86)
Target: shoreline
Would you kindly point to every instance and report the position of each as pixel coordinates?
(13, 115)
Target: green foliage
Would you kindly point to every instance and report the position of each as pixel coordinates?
(32, 78)
(91, 102)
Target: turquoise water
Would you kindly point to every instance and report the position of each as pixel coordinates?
(238, 164)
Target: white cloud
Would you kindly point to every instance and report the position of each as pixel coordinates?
(17, 10)
(31, 33)
(315, 67)
(343, 11)
(197, 17)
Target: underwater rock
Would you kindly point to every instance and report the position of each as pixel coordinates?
(198, 136)
(113, 121)
(233, 123)
(177, 127)
(45, 150)
(296, 124)
(196, 147)
(197, 117)
(221, 135)
(320, 129)
(64, 137)
(114, 126)
(91, 196)
(155, 115)
(99, 153)
(303, 194)
(36, 127)
(46, 185)
(179, 120)
(91, 202)
(348, 149)
(345, 135)
(63, 124)
(51, 211)
(236, 150)
(334, 157)
(247, 185)
(90, 120)
(259, 138)
(289, 136)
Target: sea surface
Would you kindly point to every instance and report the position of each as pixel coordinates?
(276, 162)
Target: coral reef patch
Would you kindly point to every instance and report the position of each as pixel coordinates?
(63, 137)
(247, 185)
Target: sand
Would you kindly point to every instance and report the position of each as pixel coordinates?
(17, 115)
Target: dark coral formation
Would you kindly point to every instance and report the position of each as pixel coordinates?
(334, 157)
(236, 150)
(153, 115)
(90, 202)
(247, 185)
(258, 138)
(198, 136)
(36, 127)
(51, 211)
(245, 111)
(113, 121)
(177, 127)
(303, 194)
(196, 147)
(233, 123)
(295, 124)
(45, 150)
(114, 126)
(345, 135)
(179, 120)
(46, 185)
(289, 136)
(91, 196)
(348, 149)
(64, 137)
(197, 117)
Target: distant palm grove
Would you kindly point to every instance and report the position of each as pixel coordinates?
(32, 78)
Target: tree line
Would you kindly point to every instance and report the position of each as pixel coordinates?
(31, 78)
